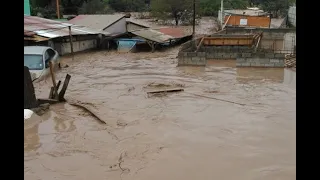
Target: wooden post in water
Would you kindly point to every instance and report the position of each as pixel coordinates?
(71, 43)
(30, 100)
(55, 90)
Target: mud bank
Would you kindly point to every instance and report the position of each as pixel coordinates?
(176, 136)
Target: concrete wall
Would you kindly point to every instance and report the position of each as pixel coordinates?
(118, 27)
(278, 40)
(261, 60)
(192, 59)
(244, 57)
(292, 15)
(275, 43)
(64, 47)
(289, 42)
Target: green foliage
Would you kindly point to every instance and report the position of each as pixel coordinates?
(46, 12)
(176, 9)
(127, 5)
(236, 4)
(276, 7)
(95, 7)
(209, 7)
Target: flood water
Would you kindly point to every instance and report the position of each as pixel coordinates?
(186, 135)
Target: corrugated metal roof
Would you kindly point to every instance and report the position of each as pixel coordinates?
(34, 25)
(99, 22)
(137, 22)
(160, 35)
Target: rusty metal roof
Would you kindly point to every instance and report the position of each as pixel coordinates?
(34, 25)
(160, 35)
(97, 21)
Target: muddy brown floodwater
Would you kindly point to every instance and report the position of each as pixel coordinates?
(183, 135)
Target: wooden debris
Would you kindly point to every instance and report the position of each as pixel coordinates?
(200, 44)
(87, 108)
(165, 90)
(64, 88)
(41, 109)
(55, 90)
(199, 95)
(30, 100)
(51, 95)
(49, 101)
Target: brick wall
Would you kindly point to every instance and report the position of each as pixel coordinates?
(243, 59)
(260, 60)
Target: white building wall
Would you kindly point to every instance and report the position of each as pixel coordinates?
(118, 27)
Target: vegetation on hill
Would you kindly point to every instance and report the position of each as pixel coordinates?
(175, 9)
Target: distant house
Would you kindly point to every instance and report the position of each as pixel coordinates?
(246, 18)
(110, 24)
(46, 32)
(27, 7)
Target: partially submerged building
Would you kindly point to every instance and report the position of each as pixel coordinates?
(246, 18)
(133, 25)
(250, 47)
(152, 39)
(111, 24)
(46, 32)
(127, 34)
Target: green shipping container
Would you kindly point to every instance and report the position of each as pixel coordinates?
(27, 7)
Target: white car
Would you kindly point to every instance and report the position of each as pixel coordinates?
(37, 58)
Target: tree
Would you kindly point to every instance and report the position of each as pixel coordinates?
(95, 7)
(128, 5)
(209, 7)
(236, 4)
(171, 8)
(276, 7)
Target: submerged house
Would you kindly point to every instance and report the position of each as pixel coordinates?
(107, 23)
(152, 39)
(126, 34)
(56, 34)
(133, 25)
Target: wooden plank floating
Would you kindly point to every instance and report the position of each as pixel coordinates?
(165, 90)
(49, 101)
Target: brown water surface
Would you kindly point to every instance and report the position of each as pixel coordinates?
(186, 135)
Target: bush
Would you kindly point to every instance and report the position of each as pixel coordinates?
(95, 7)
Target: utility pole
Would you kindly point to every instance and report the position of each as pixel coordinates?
(71, 43)
(221, 11)
(194, 19)
(58, 9)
